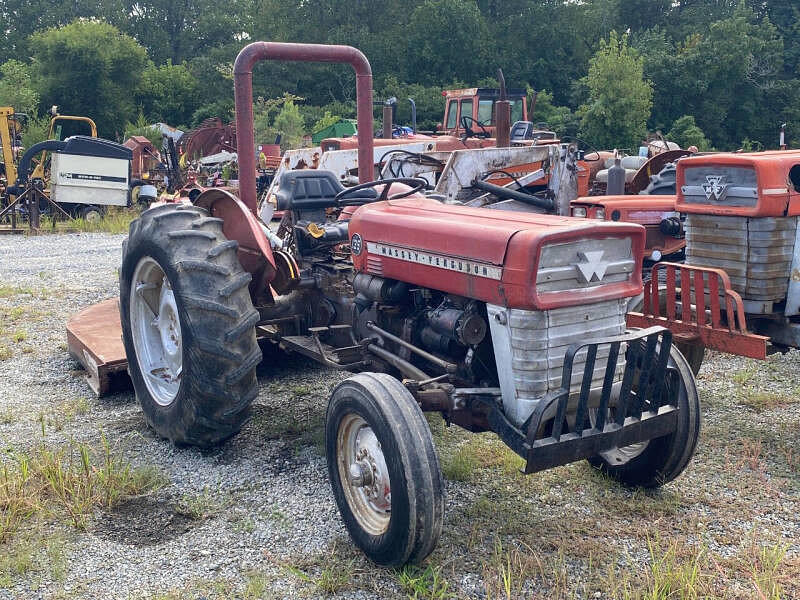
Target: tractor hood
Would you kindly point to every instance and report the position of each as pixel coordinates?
(518, 260)
(757, 184)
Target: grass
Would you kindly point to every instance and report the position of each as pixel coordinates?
(760, 401)
(423, 583)
(69, 482)
(64, 413)
(199, 507)
(116, 220)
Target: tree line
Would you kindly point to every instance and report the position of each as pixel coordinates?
(718, 74)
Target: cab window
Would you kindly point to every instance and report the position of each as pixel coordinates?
(452, 114)
(516, 110)
(466, 111)
(485, 115)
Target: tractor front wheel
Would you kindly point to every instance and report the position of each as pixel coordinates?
(188, 325)
(383, 469)
(655, 462)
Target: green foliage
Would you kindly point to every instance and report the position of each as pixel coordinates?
(168, 94)
(16, 88)
(290, 125)
(620, 99)
(89, 68)
(142, 126)
(558, 118)
(326, 120)
(36, 130)
(220, 108)
(685, 132)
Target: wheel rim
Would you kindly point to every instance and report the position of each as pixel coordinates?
(156, 330)
(92, 216)
(619, 455)
(363, 474)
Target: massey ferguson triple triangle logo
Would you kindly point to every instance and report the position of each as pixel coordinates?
(591, 266)
(715, 188)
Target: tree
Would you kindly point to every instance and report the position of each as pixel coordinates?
(289, 123)
(558, 118)
(685, 132)
(168, 94)
(447, 41)
(620, 98)
(89, 68)
(16, 89)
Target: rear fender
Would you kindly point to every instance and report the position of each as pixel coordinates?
(255, 253)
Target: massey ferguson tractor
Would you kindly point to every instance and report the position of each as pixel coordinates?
(739, 290)
(500, 321)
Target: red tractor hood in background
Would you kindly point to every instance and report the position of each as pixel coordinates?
(489, 255)
(774, 193)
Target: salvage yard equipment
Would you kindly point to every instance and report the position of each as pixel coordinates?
(500, 321)
(739, 291)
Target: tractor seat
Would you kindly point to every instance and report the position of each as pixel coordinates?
(307, 189)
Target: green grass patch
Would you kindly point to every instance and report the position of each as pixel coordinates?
(761, 401)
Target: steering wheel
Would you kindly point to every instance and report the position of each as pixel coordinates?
(344, 198)
(466, 119)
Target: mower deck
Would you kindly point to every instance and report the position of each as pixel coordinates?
(94, 339)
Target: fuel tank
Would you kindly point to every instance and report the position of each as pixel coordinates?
(517, 260)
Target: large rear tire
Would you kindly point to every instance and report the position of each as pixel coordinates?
(655, 462)
(188, 325)
(384, 470)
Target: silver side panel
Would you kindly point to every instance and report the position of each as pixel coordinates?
(530, 346)
(793, 295)
(756, 253)
(720, 186)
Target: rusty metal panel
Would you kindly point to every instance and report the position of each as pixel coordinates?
(94, 339)
(755, 252)
(703, 308)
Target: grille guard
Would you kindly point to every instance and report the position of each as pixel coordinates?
(567, 443)
(692, 324)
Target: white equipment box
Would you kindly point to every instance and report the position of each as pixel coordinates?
(90, 171)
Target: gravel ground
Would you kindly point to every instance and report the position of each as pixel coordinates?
(256, 517)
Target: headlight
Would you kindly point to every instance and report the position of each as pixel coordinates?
(600, 213)
(579, 211)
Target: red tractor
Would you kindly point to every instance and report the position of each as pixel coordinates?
(505, 322)
(739, 290)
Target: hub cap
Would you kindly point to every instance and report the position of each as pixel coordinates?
(156, 330)
(364, 475)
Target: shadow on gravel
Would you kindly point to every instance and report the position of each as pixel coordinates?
(143, 521)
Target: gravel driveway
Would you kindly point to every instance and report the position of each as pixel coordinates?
(255, 518)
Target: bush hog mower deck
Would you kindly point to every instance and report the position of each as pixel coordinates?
(739, 291)
(504, 322)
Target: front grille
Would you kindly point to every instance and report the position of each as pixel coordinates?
(720, 186)
(565, 266)
(756, 253)
(530, 347)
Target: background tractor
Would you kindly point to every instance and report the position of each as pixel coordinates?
(500, 321)
(739, 290)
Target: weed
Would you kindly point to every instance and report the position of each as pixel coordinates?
(8, 291)
(761, 401)
(672, 575)
(743, 376)
(7, 415)
(762, 564)
(460, 464)
(256, 586)
(19, 336)
(5, 352)
(505, 575)
(199, 507)
(423, 584)
(300, 391)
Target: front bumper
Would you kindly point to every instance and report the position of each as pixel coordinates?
(645, 408)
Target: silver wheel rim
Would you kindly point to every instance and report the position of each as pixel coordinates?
(156, 330)
(363, 474)
(619, 455)
(93, 216)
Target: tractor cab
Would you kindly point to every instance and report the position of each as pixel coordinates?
(472, 110)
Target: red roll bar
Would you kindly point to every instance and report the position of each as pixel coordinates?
(243, 95)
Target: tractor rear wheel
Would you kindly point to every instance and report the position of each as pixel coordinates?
(655, 462)
(383, 469)
(188, 325)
